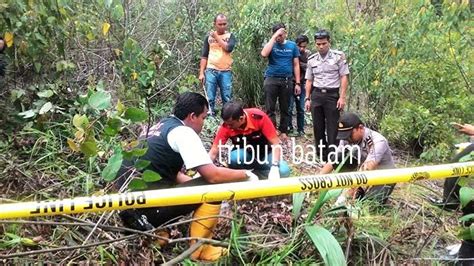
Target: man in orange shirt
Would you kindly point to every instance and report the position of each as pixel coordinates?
(216, 62)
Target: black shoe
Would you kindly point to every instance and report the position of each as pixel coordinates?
(466, 251)
(133, 219)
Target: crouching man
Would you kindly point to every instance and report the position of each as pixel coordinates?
(255, 144)
(369, 151)
(172, 144)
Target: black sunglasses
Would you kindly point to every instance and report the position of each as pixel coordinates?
(321, 35)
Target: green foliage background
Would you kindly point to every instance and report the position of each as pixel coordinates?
(75, 90)
(411, 62)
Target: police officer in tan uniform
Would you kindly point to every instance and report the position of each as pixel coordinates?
(326, 84)
(370, 151)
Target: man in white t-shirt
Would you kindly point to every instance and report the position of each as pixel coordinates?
(172, 144)
(371, 152)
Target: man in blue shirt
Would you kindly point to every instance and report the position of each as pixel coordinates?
(283, 67)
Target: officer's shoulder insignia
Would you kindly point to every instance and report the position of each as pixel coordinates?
(340, 54)
(312, 56)
(257, 116)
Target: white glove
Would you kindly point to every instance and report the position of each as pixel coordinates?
(341, 200)
(274, 173)
(251, 176)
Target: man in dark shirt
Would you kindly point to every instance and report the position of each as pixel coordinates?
(298, 100)
(172, 144)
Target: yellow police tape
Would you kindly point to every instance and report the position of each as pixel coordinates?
(232, 191)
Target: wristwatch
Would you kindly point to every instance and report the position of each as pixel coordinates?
(307, 99)
(277, 164)
(297, 83)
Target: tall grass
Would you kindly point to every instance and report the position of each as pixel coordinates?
(248, 79)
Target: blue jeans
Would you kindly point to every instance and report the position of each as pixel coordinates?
(239, 159)
(215, 78)
(299, 110)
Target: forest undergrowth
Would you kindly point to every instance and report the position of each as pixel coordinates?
(82, 78)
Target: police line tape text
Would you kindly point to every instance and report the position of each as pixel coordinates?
(44, 207)
(462, 171)
(325, 182)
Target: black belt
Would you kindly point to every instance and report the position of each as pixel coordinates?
(325, 90)
(281, 78)
(215, 70)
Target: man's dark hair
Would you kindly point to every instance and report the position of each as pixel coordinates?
(189, 102)
(322, 34)
(218, 16)
(278, 26)
(232, 110)
(301, 39)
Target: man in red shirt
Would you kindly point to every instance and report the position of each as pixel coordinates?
(255, 144)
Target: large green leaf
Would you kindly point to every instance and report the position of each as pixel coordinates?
(466, 195)
(467, 218)
(327, 245)
(89, 148)
(137, 152)
(324, 196)
(466, 158)
(136, 114)
(100, 100)
(113, 127)
(467, 233)
(141, 164)
(80, 121)
(137, 184)
(113, 165)
(150, 176)
(298, 199)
